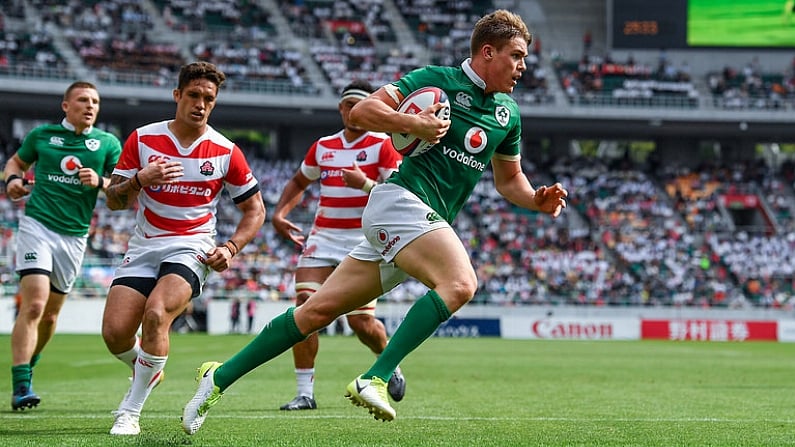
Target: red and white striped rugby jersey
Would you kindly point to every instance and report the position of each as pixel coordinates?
(210, 164)
(341, 206)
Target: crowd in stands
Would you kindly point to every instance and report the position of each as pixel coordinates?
(203, 15)
(601, 80)
(347, 40)
(26, 49)
(752, 88)
(628, 238)
(443, 27)
(642, 236)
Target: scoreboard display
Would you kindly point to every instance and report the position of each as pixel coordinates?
(649, 24)
(655, 24)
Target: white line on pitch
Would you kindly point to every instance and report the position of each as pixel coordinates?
(109, 416)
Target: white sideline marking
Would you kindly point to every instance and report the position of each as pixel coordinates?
(32, 414)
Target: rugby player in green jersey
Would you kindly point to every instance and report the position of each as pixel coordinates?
(69, 160)
(407, 219)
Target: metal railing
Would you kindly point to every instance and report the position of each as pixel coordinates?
(34, 71)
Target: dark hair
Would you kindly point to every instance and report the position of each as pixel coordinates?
(497, 29)
(358, 84)
(200, 70)
(77, 84)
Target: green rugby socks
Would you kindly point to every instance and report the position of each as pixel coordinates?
(21, 376)
(276, 337)
(421, 322)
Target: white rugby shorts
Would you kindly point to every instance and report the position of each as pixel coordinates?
(40, 248)
(327, 247)
(392, 219)
(144, 255)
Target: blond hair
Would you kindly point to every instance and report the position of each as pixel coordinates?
(497, 29)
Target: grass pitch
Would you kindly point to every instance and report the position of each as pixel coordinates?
(461, 392)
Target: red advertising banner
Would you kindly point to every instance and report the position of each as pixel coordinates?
(709, 330)
(739, 201)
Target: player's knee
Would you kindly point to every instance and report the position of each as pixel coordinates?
(310, 317)
(33, 311)
(362, 323)
(461, 291)
(112, 337)
(155, 318)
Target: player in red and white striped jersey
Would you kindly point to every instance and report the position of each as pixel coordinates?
(347, 165)
(175, 170)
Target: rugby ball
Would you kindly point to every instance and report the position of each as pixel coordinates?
(407, 144)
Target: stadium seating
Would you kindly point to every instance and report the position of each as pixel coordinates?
(633, 235)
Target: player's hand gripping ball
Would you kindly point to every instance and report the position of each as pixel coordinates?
(407, 144)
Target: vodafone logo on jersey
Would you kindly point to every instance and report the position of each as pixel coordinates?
(70, 165)
(475, 140)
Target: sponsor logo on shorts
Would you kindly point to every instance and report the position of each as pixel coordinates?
(31, 256)
(388, 242)
(201, 258)
(126, 260)
(309, 250)
(207, 168)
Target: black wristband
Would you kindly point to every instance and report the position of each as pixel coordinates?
(101, 185)
(237, 249)
(13, 177)
(136, 180)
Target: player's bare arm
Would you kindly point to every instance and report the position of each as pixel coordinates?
(16, 185)
(253, 209)
(378, 113)
(514, 185)
(122, 192)
(291, 196)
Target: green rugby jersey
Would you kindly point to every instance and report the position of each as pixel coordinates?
(444, 176)
(58, 200)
